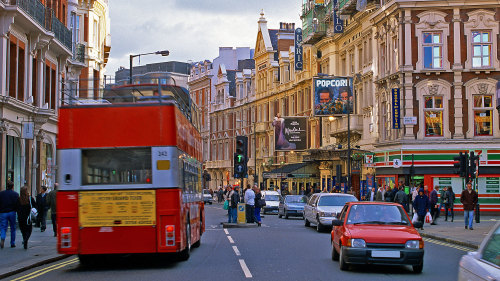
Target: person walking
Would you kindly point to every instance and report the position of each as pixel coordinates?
(249, 204)
(51, 203)
(421, 206)
(402, 198)
(42, 208)
(227, 197)
(442, 193)
(26, 203)
(233, 203)
(258, 205)
(449, 202)
(380, 194)
(434, 204)
(371, 195)
(469, 201)
(8, 207)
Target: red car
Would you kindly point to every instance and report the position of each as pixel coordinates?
(376, 233)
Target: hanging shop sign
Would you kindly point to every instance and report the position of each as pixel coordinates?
(298, 49)
(396, 108)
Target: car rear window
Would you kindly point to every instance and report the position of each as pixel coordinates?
(296, 199)
(377, 214)
(272, 198)
(335, 200)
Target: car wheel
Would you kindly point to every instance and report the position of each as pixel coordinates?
(307, 223)
(342, 264)
(286, 216)
(418, 268)
(279, 215)
(335, 254)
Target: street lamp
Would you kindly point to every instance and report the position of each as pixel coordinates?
(254, 149)
(163, 53)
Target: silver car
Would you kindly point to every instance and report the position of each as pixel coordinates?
(485, 263)
(323, 208)
(292, 206)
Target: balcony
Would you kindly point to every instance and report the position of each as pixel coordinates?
(348, 7)
(338, 127)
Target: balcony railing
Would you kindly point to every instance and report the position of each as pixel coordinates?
(45, 17)
(339, 125)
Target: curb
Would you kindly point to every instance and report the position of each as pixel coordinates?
(27, 267)
(238, 225)
(452, 241)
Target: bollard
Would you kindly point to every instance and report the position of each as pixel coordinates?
(477, 213)
(241, 213)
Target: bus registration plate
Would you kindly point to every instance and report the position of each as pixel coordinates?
(117, 208)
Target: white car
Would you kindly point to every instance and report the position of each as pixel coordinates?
(322, 209)
(207, 197)
(272, 201)
(485, 263)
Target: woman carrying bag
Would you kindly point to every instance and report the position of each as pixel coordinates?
(449, 201)
(26, 203)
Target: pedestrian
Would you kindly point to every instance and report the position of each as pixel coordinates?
(26, 203)
(51, 202)
(235, 199)
(249, 204)
(442, 193)
(9, 202)
(449, 202)
(380, 194)
(401, 198)
(221, 195)
(42, 208)
(371, 195)
(469, 201)
(433, 200)
(258, 205)
(227, 196)
(421, 206)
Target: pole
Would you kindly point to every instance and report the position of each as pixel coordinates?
(130, 70)
(255, 177)
(320, 131)
(349, 148)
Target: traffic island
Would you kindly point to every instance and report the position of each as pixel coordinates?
(238, 225)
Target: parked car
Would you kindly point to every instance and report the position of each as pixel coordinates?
(484, 264)
(207, 197)
(323, 208)
(292, 206)
(272, 201)
(376, 233)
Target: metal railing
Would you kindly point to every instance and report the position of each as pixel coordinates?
(45, 17)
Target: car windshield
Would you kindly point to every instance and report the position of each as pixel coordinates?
(335, 200)
(206, 192)
(377, 214)
(492, 248)
(296, 199)
(272, 197)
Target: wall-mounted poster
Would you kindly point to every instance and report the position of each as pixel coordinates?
(290, 133)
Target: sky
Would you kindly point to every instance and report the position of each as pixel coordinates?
(192, 30)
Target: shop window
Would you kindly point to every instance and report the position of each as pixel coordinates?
(481, 49)
(433, 115)
(432, 49)
(483, 109)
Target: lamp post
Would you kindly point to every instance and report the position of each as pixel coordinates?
(164, 53)
(254, 149)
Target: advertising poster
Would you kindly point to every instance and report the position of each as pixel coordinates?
(290, 133)
(333, 96)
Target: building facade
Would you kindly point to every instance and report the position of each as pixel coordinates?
(35, 45)
(425, 75)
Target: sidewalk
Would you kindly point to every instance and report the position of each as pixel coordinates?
(42, 249)
(455, 232)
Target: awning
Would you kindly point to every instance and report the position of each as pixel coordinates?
(298, 170)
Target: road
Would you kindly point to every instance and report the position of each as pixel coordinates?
(279, 250)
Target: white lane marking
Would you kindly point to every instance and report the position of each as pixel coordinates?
(225, 231)
(230, 239)
(245, 269)
(236, 251)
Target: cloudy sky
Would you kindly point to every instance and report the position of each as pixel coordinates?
(192, 30)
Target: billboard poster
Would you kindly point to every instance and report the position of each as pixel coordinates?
(298, 49)
(333, 96)
(290, 133)
(396, 107)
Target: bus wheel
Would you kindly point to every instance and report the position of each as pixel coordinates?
(184, 255)
(86, 260)
(198, 243)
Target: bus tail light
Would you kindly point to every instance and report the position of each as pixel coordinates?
(170, 235)
(65, 237)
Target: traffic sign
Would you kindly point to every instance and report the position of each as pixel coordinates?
(396, 163)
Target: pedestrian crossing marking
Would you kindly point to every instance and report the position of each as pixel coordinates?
(446, 244)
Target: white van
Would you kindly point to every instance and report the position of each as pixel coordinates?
(272, 201)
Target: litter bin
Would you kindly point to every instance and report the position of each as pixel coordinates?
(241, 213)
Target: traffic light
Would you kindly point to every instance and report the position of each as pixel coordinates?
(473, 164)
(241, 157)
(461, 164)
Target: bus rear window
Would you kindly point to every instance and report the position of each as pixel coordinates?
(116, 166)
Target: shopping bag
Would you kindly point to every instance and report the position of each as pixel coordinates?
(415, 218)
(428, 218)
(226, 205)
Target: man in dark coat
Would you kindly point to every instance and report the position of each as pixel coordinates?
(42, 208)
(434, 204)
(9, 203)
(421, 205)
(372, 195)
(469, 200)
(402, 198)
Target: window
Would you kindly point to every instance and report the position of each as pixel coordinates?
(433, 115)
(492, 248)
(433, 50)
(481, 49)
(116, 166)
(96, 32)
(483, 109)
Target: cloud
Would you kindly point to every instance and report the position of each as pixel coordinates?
(190, 30)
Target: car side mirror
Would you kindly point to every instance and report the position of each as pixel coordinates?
(337, 223)
(418, 224)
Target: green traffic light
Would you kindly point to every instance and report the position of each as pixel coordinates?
(240, 158)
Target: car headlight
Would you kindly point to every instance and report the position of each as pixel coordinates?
(414, 244)
(356, 243)
(326, 214)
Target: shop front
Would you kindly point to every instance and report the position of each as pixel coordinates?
(292, 178)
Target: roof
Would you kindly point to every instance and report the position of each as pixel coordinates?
(273, 35)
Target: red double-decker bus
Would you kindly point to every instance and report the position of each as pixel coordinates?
(129, 180)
